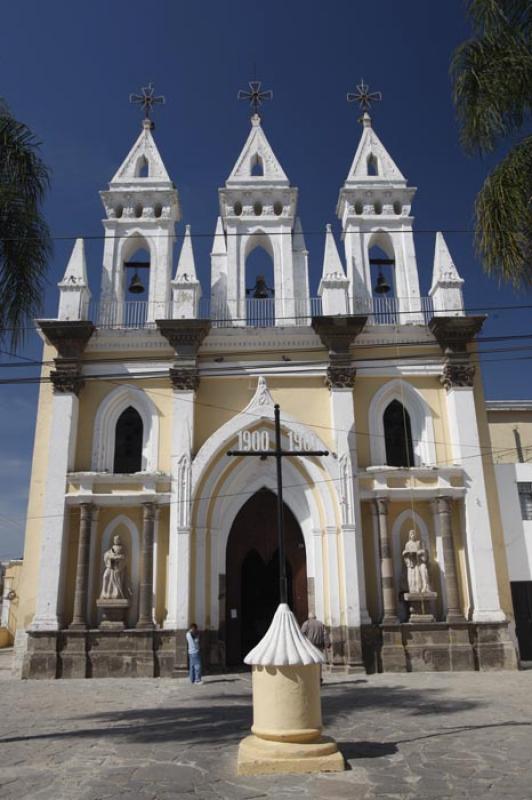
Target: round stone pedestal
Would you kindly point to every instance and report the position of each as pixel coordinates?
(286, 706)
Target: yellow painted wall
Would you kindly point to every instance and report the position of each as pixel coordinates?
(220, 399)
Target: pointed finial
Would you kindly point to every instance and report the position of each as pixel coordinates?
(364, 98)
(147, 100)
(256, 96)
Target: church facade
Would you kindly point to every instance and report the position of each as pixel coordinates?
(140, 523)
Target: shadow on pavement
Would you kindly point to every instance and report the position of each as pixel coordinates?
(197, 717)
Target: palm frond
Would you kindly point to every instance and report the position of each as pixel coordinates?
(503, 217)
(25, 244)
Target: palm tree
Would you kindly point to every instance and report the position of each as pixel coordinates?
(25, 245)
(492, 93)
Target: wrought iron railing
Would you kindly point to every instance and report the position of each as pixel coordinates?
(260, 313)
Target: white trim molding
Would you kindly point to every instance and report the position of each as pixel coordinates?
(109, 411)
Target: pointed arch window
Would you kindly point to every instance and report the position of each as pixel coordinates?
(257, 166)
(142, 168)
(373, 165)
(398, 436)
(128, 442)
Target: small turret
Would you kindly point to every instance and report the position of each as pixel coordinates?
(74, 292)
(186, 289)
(334, 285)
(446, 289)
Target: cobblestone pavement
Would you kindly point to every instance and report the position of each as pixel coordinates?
(424, 735)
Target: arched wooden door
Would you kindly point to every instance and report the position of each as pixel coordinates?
(252, 573)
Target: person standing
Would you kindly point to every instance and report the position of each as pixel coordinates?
(194, 654)
(317, 634)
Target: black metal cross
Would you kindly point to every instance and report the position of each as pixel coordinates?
(363, 96)
(278, 453)
(256, 96)
(147, 99)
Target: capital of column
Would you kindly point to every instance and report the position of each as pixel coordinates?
(340, 376)
(443, 505)
(457, 373)
(184, 379)
(381, 505)
(149, 510)
(86, 511)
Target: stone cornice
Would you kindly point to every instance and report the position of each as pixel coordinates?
(453, 334)
(184, 335)
(337, 334)
(69, 337)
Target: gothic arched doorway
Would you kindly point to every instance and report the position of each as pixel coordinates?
(252, 573)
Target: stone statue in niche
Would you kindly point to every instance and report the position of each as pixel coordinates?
(114, 576)
(114, 599)
(415, 559)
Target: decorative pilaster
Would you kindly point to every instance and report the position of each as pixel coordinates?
(146, 581)
(185, 336)
(70, 340)
(454, 335)
(389, 601)
(443, 507)
(79, 619)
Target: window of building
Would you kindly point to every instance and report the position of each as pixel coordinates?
(128, 442)
(525, 498)
(398, 436)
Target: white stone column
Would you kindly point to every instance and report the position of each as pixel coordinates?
(465, 443)
(319, 597)
(179, 534)
(155, 562)
(201, 576)
(94, 569)
(343, 420)
(62, 442)
(333, 577)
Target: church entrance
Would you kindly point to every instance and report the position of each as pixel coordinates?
(252, 573)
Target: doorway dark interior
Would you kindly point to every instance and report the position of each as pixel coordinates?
(522, 602)
(252, 573)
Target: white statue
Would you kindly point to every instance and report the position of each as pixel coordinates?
(415, 558)
(114, 576)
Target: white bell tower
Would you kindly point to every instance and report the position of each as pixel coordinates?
(258, 209)
(374, 209)
(142, 207)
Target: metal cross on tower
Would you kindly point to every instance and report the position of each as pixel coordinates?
(363, 96)
(256, 96)
(147, 99)
(278, 453)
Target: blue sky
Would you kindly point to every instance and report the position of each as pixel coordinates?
(68, 68)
